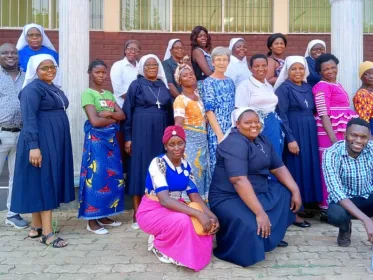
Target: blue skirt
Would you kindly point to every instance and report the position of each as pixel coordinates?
(305, 167)
(101, 188)
(40, 189)
(148, 126)
(272, 130)
(237, 239)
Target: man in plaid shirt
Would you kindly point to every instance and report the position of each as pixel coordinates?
(348, 172)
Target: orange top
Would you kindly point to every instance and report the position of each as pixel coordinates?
(363, 102)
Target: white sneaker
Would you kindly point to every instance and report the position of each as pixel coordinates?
(113, 224)
(100, 231)
(135, 226)
(150, 242)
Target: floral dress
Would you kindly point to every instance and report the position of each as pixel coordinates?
(218, 97)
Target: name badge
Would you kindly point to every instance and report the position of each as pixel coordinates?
(103, 103)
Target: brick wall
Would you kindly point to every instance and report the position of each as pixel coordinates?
(109, 45)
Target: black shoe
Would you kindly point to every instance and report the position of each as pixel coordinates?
(306, 214)
(344, 237)
(303, 224)
(282, 244)
(324, 216)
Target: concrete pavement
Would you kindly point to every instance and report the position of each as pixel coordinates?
(312, 254)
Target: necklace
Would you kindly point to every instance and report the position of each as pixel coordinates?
(261, 148)
(156, 97)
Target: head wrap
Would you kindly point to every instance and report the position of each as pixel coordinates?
(161, 74)
(32, 67)
(171, 43)
(364, 66)
(179, 69)
(174, 130)
(22, 41)
(236, 113)
(311, 44)
(289, 61)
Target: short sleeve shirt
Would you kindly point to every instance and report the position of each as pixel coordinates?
(102, 101)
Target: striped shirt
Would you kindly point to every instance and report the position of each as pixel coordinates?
(347, 177)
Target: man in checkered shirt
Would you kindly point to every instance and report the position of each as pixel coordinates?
(348, 173)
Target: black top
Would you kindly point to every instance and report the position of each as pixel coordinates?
(169, 66)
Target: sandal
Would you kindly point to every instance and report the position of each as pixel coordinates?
(55, 243)
(38, 230)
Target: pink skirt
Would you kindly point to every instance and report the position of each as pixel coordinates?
(174, 234)
(339, 117)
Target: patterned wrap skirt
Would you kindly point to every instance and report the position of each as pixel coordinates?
(197, 154)
(101, 188)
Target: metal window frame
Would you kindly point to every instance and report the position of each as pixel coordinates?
(52, 18)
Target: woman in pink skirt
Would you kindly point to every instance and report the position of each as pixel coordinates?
(333, 109)
(179, 234)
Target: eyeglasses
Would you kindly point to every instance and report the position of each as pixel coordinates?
(34, 35)
(151, 65)
(368, 74)
(9, 53)
(318, 49)
(47, 68)
(135, 50)
(178, 48)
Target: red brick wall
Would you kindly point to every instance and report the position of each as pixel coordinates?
(109, 45)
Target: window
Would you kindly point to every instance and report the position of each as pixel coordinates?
(368, 16)
(309, 16)
(145, 15)
(248, 16)
(186, 14)
(17, 13)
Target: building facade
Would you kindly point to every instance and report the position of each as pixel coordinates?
(154, 22)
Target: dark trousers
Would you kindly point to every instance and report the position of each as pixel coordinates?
(340, 217)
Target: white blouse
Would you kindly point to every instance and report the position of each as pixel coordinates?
(122, 74)
(238, 70)
(253, 93)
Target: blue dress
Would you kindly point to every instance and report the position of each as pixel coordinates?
(27, 52)
(45, 127)
(296, 108)
(217, 96)
(144, 126)
(314, 77)
(237, 239)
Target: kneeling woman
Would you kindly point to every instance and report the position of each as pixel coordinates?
(179, 234)
(254, 212)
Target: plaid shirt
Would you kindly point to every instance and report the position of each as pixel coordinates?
(347, 177)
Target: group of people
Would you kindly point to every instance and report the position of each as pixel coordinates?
(210, 144)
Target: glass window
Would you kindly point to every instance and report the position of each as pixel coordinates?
(145, 15)
(18, 13)
(186, 14)
(309, 16)
(96, 9)
(248, 16)
(368, 16)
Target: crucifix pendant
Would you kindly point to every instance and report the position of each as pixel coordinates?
(158, 104)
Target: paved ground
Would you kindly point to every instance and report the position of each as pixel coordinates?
(312, 254)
